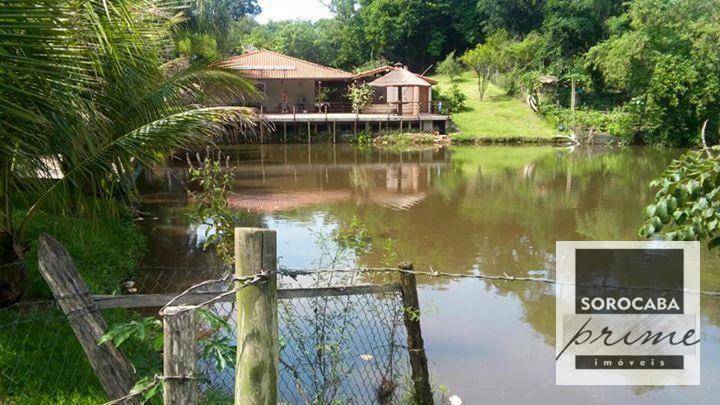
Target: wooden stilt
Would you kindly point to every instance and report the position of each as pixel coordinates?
(334, 130)
(262, 127)
(295, 125)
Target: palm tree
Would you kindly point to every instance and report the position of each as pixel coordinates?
(85, 90)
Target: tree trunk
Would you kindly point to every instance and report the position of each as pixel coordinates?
(12, 271)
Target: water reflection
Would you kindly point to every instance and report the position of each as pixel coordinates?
(494, 210)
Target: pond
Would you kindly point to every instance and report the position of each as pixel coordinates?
(493, 210)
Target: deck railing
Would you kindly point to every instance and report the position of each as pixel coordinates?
(408, 108)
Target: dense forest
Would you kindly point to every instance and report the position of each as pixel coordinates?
(646, 70)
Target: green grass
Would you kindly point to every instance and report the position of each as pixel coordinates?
(496, 116)
(41, 360)
(105, 249)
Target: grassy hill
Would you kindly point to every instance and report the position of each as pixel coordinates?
(497, 116)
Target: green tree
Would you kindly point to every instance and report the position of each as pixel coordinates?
(487, 59)
(313, 41)
(518, 17)
(415, 32)
(87, 94)
(664, 57)
(205, 32)
(450, 67)
(372, 64)
(571, 27)
(360, 95)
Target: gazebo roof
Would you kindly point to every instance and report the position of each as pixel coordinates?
(388, 68)
(399, 77)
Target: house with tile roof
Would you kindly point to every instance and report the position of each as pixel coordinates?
(298, 90)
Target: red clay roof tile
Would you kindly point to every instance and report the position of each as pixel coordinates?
(264, 64)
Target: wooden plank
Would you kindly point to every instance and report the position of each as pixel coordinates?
(257, 331)
(179, 359)
(416, 347)
(347, 118)
(337, 291)
(151, 300)
(115, 373)
(159, 300)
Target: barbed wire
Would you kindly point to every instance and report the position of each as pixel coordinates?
(155, 381)
(244, 281)
(505, 277)
(241, 282)
(294, 273)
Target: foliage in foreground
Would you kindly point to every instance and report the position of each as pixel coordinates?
(86, 93)
(42, 361)
(686, 206)
(210, 205)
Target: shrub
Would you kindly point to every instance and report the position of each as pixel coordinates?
(453, 98)
(360, 95)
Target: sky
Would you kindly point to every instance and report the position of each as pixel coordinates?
(277, 10)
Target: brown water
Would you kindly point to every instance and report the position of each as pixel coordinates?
(494, 210)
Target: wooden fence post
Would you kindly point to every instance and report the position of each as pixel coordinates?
(416, 347)
(257, 332)
(179, 358)
(115, 373)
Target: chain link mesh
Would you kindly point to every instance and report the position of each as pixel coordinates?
(342, 349)
(334, 349)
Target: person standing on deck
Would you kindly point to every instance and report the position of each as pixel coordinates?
(284, 103)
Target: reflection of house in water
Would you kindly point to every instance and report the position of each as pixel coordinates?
(271, 178)
(402, 186)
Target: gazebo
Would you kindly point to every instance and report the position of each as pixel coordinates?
(405, 87)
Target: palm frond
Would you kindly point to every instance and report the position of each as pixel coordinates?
(83, 84)
(146, 145)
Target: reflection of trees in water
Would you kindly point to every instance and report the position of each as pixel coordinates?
(501, 210)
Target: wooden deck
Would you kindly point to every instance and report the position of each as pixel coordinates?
(350, 117)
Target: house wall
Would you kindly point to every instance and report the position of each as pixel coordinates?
(411, 94)
(300, 92)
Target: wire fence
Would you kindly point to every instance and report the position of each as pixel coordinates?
(333, 349)
(344, 348)
(347, 349)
